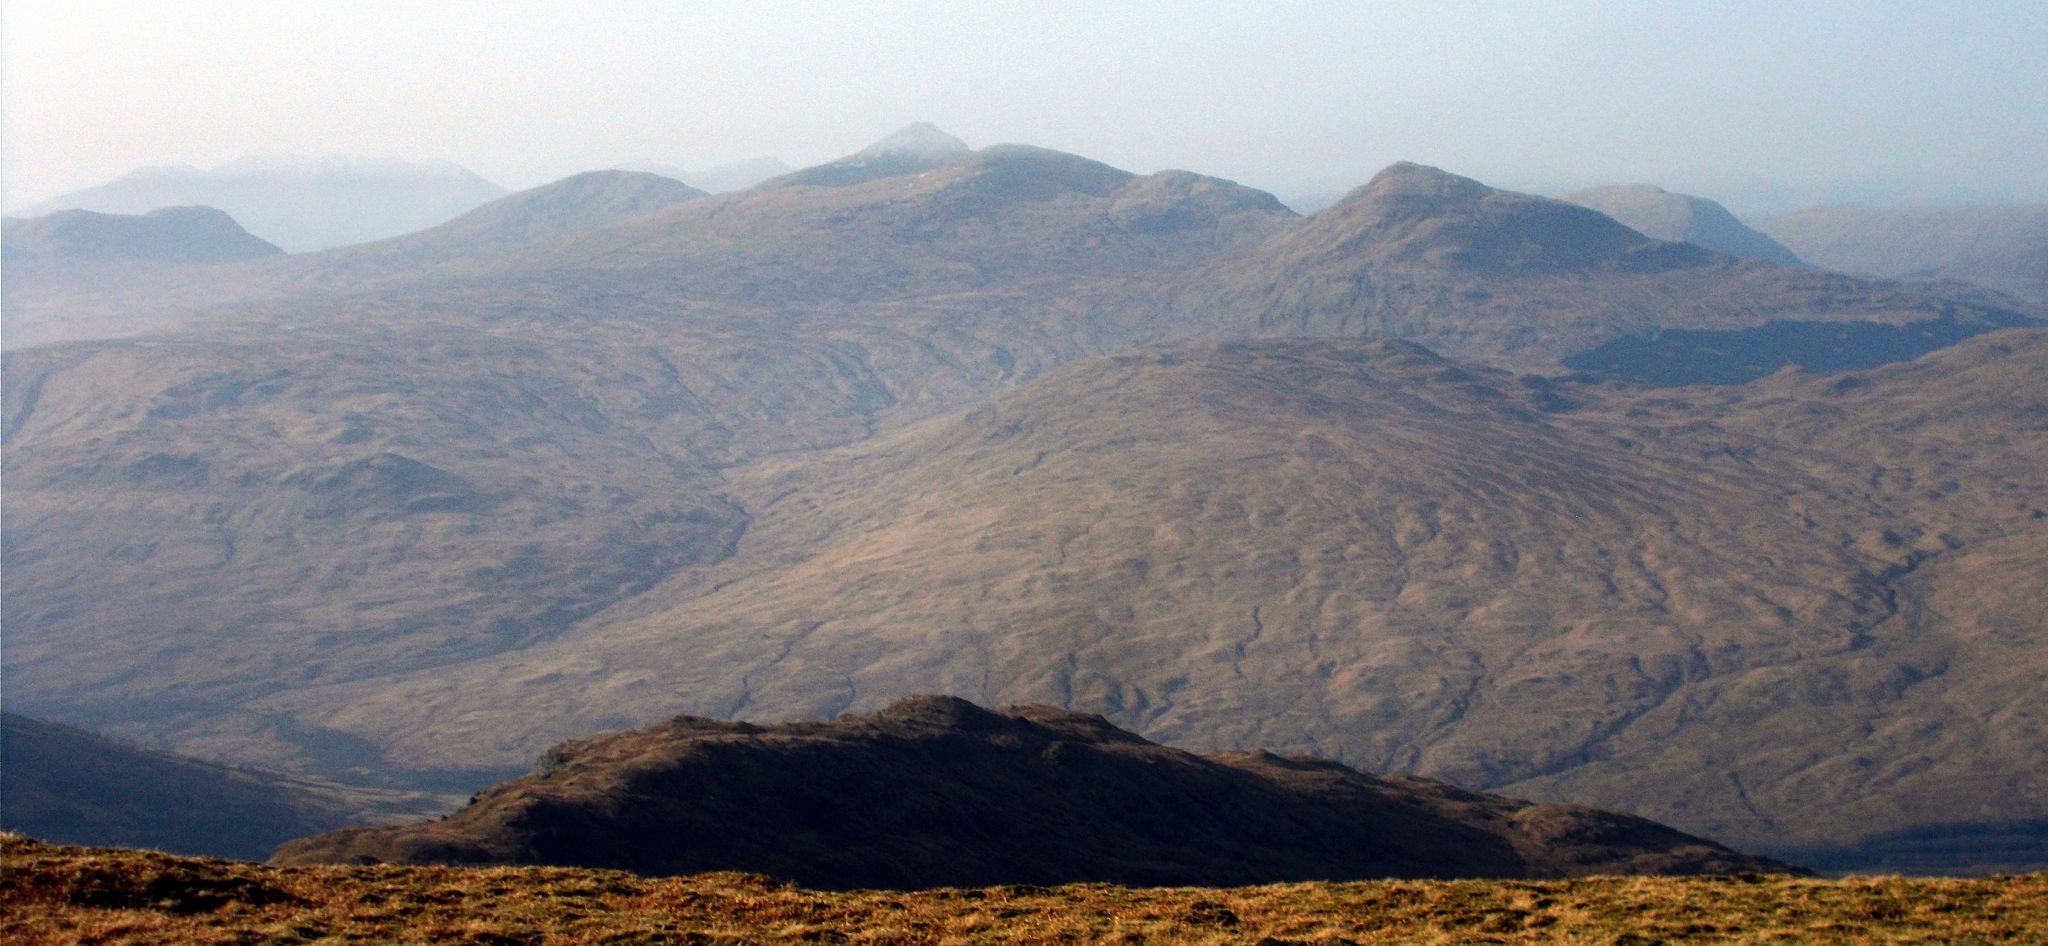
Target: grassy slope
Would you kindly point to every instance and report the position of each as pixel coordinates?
(1771, 616)
(52, 895)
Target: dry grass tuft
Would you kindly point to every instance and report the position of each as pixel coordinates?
(51, 895)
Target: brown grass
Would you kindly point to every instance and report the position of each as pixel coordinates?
(51, 894)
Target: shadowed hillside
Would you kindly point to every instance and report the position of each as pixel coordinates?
(934, 791)
(68, 785)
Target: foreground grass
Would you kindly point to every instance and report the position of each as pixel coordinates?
(51, 894)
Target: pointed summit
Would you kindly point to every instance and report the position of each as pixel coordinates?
(919, 141)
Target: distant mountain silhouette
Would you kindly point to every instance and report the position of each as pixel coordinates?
(2004, 249)
(1681, 218)
(300, 204)
(934, 791)
(70, 785)
(175, 235)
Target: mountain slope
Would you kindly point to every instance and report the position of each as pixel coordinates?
(299, 204)
(917, 147)
(1528, 283)
(68, 305)
(1682, 218)
(577, 204)
(174, 235)
(2004, 249)
(1739, 610)
(934, 791)
(68, 785)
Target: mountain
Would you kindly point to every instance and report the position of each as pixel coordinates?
(66, 303)
(177, 235)
(1682, 218)
(69, 785)
(573, 205)
(2004, 249)
(1533, 284)
(385, 520)
(299, 204)
(909, 150)
(935, 791)
(1756, 613)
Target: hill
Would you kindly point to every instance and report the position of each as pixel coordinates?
(68, 785)
(577, 204)
(934, 791)
(166, 235)
(1682, 218)
(300, 204)
(67, 304)
(1524, 282)
(1763, 614)
(2004, 249)
(64, 894)
(380, 520)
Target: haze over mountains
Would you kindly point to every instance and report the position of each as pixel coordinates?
(1999, 248)
(165, 235)
(1019, 426)
(1682, 218)
(300, 204)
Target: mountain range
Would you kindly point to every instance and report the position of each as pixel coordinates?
(1999, 248)
(1382, 485)
(300, 204)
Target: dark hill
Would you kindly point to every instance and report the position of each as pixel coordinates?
(70, 785)
(1682, 218)
(934, 791)
(179, 235)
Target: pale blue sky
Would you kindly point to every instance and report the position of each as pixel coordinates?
(1779, 103)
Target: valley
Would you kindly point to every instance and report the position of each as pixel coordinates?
(1020, 427)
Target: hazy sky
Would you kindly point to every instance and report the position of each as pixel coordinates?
(1773, 103)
